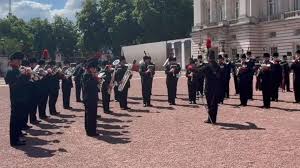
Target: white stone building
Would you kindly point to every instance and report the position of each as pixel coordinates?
(238, 25)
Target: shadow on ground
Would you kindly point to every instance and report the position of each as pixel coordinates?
(232, 126)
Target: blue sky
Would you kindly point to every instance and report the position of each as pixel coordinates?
(45, 9)
(57, 4)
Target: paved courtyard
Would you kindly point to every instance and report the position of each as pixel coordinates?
(161, 136)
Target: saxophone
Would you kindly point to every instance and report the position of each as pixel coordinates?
(125, 79)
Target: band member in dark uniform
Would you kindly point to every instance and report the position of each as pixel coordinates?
(147, 71)
(12, 79)
(244, 78)
(212, 86)
(251, 64)
(42, 91)
(286, 74)
(77, 78)
(27, 85)
(172, 71)
(276, 77)
(223, 71)
(191, 74)
(119, 78)
(265, 79)
(295, 67)
(34, 95)
(90, 97)
(200, 77)
(66, 86)
(151, 82)
(228, 66)
(116, 92)
(235, 74)
(108, 70)
(53, 83)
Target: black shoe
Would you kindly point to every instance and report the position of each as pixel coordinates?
(194, 102)
(26, 127)
(207, 122)
(35, 122)
(150, 105)
(44, 117)
(108, 112)
(127, 108)
(190, 102)
(93, 135)
(18, 143)
(55, 113)
(145, 105)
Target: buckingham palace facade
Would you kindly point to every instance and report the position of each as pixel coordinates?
(235, 26)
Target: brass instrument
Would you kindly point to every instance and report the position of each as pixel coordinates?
(151, 68)
(166, 62)
(242, 69)
(69, 71)
(101, 80)
(264, 68)
(113, 77)
(173, 68)
(126, 77)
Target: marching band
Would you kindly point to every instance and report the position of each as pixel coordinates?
(33, 84)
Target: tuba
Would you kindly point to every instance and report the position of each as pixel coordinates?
(68, 72)
(126, 77)
(112, 81)
(101, 80)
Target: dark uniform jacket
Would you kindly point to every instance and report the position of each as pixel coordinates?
(146, 76)
(90, 89)
(170, 75)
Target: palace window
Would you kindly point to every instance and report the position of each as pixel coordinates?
(297, 47)
(272, 35)
(237, 9)
(233, 37)
(297, 5)
(297, 32)
(234, 52)
(220, 10)
(272, 7)
(274, 50)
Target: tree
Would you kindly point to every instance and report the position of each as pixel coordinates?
(65, 36)
(16, 34)
(42, 36)
(90, 23)
(122, 27)
(164, 19)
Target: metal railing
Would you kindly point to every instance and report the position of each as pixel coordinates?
(291, 14)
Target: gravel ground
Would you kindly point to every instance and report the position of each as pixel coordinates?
(161, 136)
